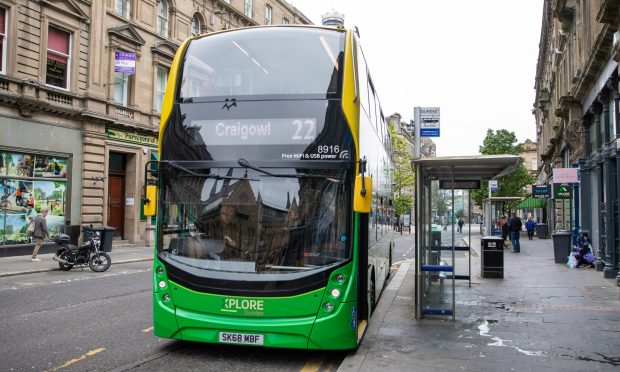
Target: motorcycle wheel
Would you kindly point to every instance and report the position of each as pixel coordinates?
(64, 267)
(100, 262)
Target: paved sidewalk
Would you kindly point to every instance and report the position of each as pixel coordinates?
(541, 317)
(17, 265)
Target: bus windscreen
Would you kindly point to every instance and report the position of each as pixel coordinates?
(245, 221)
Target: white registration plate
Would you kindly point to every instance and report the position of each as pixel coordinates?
(241, 338)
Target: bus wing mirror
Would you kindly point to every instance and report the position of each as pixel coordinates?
(362, 194)
(150, 200)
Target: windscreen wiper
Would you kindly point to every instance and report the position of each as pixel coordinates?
(206, 175)
(244, 163)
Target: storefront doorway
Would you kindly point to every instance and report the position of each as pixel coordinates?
(116, 192)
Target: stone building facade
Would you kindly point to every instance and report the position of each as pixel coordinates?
(64, 103)
(577, 120)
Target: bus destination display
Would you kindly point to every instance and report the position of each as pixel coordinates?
(287, 131)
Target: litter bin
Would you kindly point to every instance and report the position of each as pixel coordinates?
(492, 258)
(105, 234)
(561, 245)
(73, 231)
(541, 231)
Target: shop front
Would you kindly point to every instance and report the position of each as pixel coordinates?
(127, 153)
(39, 168)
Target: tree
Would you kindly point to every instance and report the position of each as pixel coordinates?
(503, 142)
(402, 177)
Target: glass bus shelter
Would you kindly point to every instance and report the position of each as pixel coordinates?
(494, 209)
(436, 269)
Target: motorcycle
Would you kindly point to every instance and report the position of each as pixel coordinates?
(89, 253)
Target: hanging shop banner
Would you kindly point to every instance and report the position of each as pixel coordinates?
(121, 135)
(565, 175)
(125, 62)
(562, 191)
(541, 191)
(29, 182)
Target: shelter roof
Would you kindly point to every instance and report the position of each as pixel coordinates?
(475, 167)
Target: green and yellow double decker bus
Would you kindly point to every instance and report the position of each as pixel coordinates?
(272, 192)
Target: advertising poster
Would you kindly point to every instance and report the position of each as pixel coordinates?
(25, 187)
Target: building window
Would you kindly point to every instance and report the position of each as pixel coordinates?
(285, 21)
(121, 88)
(162, 18)
(162, 79)
(58, 59)
(248, 8)
(123, 8)
(3, 23)
(196, 25)
(268, 14)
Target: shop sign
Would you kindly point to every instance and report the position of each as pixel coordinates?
(121, 135)
(541, 191)
(562, 191)
(565, 175)
(125, 62)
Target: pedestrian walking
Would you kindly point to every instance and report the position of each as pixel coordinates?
(461, 223)
(515, 224)
(530, 226)
(40, 232)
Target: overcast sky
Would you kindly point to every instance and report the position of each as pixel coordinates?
(475, 59)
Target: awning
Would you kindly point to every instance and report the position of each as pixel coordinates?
(531, 202)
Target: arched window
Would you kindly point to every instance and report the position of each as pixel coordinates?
(196, 25)
(162, 18)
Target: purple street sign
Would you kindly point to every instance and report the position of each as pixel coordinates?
(125, 62)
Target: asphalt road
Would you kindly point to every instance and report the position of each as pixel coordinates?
(81, 320)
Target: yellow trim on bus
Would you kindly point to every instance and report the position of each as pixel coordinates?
(169, 95)
(350, 103)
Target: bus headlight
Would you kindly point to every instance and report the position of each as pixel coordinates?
(340, 278)
(160, 270)
(165, 297)
(335, 293)
(162, 284)
(329, 306)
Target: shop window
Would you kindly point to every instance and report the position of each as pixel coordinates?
(3, 39)
(248, 8)
(268, 14)
(162, 18)
(160, 85)
(29, 182)
(123, 8)
(58, 59)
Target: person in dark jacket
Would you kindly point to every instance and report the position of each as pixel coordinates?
(40, 232)
(515, 224)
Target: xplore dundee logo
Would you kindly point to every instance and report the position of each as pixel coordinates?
(243, 306)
